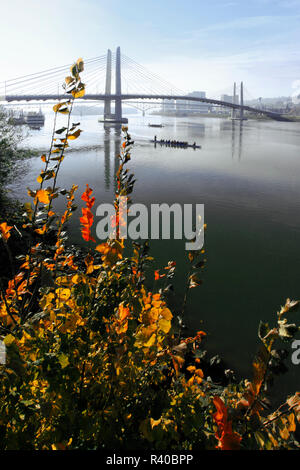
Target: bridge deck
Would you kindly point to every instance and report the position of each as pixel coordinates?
(123, 97)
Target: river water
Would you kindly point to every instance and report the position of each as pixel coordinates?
(248, 177)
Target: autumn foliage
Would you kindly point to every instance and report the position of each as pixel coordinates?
(87, 218)
(96, 360)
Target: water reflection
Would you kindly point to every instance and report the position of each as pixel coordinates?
(111, 132)
(106, 159)
(241, 124)
(226, 126)
(232, 139)
(197, 129)
(236, 128)
(236, 140)
(117, 133)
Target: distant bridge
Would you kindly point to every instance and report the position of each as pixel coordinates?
(238, 108)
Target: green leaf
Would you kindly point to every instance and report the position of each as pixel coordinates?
(63, 360)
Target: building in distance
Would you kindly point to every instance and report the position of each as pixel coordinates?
(187, 107)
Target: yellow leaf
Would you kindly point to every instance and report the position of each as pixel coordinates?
(63, 294)
(76, 279)
(150, 342)
(47, 299)
(164, 325)
(8, 340)
(90, 269)
(154, 422)
(61, 108)
(79, 93)
(69, 80)
(166, 313)
(75, 135)
(150, 316)
(25, 338)
(80, 65)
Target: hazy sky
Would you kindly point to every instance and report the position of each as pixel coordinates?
(194, 44)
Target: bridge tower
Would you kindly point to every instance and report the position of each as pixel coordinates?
(242, 102)
(234, 101)
(118, 105)
(108, 116)
(107, 103)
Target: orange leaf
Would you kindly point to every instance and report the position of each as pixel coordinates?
(221, 415)
(228, 440)
(124, 312)
(5, 229)
(43, 196)
(42, 230)
(87, 218)
(178, 362)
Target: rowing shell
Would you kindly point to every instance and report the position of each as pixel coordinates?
(176, 146)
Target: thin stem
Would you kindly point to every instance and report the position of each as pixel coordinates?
(266, 423)
(187, 288)
(61, 155)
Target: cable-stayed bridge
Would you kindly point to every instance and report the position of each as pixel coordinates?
(140, 84)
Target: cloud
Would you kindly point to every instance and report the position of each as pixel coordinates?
(243, 23)
(265, 70)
